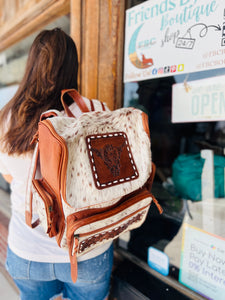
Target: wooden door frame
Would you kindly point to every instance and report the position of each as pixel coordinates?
(97, 27)
(29, 18)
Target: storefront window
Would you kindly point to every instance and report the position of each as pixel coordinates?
(192, 225)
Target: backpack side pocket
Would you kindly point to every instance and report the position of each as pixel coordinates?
(46, 206)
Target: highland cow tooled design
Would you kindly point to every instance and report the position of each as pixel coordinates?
(111, 159)
(111, 156)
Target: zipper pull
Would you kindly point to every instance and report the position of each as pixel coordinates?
(157, 204)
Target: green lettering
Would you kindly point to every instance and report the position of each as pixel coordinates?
(214, 103)
(222, 103)
(195, 105)
(130, 18)
(184, 2)
(205, 103)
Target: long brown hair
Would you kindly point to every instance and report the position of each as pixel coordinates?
(52, 65)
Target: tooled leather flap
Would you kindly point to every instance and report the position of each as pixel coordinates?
(111, 159)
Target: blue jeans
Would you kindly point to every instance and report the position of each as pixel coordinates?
(44, 281)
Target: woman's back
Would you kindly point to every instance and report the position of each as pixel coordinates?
(52, 66)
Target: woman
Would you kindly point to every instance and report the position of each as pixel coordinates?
(41, 269)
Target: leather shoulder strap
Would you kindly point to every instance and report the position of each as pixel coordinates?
(29, 195)
(76, 98)
(103, 106)
(92, 105)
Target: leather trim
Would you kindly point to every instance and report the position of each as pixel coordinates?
(59, 185)
(28, 217)
(114, 224)
(73, 248)
(50, 203)
(55, 160)
(48, 114)
(132, 197)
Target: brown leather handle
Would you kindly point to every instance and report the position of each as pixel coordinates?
(76, 98)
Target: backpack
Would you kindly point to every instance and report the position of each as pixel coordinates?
(90, 177)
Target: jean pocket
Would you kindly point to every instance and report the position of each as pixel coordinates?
(17, 267)
(97, 269)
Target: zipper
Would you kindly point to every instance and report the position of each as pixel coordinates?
(143, 192)
(65, 152)
(73, 239)
(107, 214)
(62, 167)
(46, 199)
(39, 188)
(112, 224)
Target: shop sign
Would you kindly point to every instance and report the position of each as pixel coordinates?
(203, 262)
(169, 37)
(199, 101)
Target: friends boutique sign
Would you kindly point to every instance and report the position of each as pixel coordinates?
(170, 37)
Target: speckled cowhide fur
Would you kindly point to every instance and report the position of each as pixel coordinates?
(90, 176)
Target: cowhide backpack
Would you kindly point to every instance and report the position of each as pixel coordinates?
(91, 176)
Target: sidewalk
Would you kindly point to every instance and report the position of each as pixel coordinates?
(8, 290)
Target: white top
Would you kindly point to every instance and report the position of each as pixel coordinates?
(28, 243)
